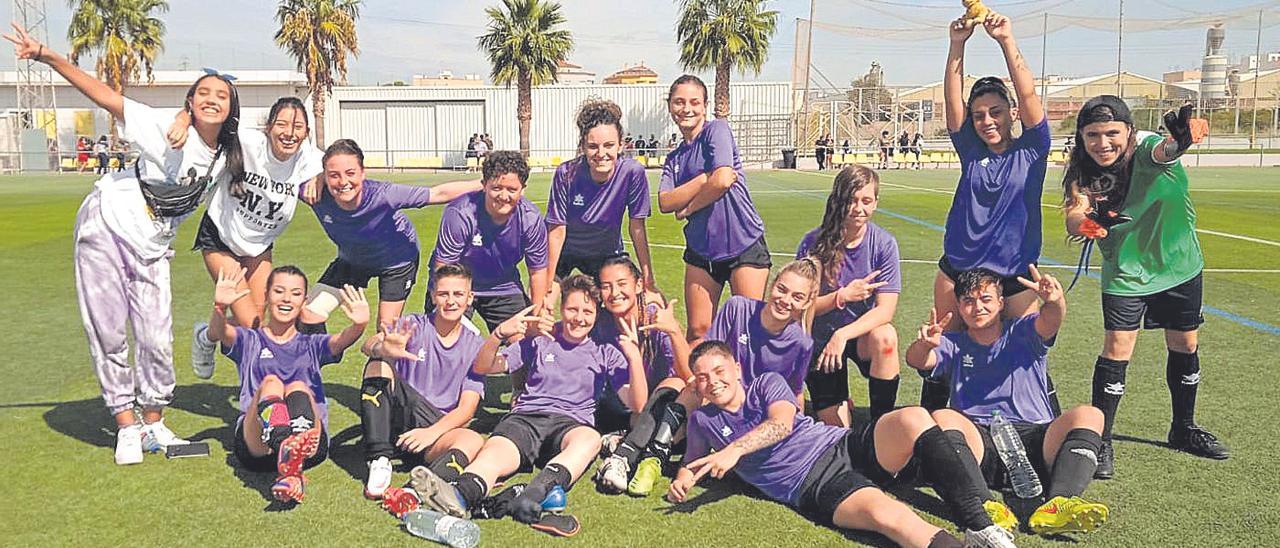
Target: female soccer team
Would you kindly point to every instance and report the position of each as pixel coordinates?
(617, 358)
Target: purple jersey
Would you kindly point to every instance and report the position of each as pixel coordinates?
(564, 378)
(300, 359)
(656, 349)
(492, 251)
(737, 324)
(441, 373)
(777, 470)
(376, 234)
(877, 251)
(729, 226)
(591, 212)
(994, 220)
(1010, 376)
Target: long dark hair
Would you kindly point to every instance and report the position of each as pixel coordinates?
(648, 343)
(829, 243)
(287, 102)
(1106, 187)
(228, 135)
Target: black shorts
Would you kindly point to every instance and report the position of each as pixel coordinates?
(536, 435)
(394, 284)
(267, 463)
(1032, 436)
(831, 389)
(831, 480)
(756, 254)
(1009, 285)
(209, 239)
(586, 265)
(1177, 309)
(493, 309)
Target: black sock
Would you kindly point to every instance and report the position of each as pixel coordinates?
(302, 416)
(312, 328)
(883, 395)
(375, 417)
(934, 394)
(646, 424)
(1182, 373)
(472, 488)
(943, 539)
(450, 465)
(1108, 388)
(673, 417)
(957, 480)
(1074, 465)
(1053, 396)
(275, 434)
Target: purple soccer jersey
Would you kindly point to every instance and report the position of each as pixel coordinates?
(376, 234)
(737, 324)
(300, 359)
(656, 348)
(592, 213)
(565, 378)
(729, 226)
(777, 470)
(492, 251)
(877, 251)
(441, 373)
(994, 221)
(1009, 376)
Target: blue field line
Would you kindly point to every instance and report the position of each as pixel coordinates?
(1211, 310)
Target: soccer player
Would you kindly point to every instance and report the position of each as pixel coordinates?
(997, 366)
(703, 184)
(589, 195)
(284, 413)
(490, 232)
(123, 235)
(374, 238)
(859, 295)
(551, 425)
(419, 393)
(994, 221)
(756, 429)
(1151, 266)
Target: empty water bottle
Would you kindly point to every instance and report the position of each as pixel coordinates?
(1022, 476)
(454, 532)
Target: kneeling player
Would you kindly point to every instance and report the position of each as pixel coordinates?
(281, 393)
(999, 367)
(757, 431)
(419, 392)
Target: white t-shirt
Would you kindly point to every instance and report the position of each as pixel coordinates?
(123, 208)
(249, 225)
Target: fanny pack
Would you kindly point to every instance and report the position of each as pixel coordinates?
(172, 199)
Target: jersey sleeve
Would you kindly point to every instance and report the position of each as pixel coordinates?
(406, 196)
(1037, 138)
(667, 181)
(800, 369)
(638, 204)
(236, 351)
(145, 128)
(518, 355)
(806, 244)
(1024, 330)
(473, 382)
(886, 260)
(558, 199)
(322, 350)
(722, 326)
(455, 234)
(1146, 153)
(535, 239)
(946, 356)
(615, 366)
(719, 146)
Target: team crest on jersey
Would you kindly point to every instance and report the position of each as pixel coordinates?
(422, 354)
(966, 361)
(726, 431)
(476, 240)
(265, 354)
(327, 219)
(744, 339)
(578, 200)
(549, 358)
(985, 161)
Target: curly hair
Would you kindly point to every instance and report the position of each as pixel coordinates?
(829, 243)
(580, 283)
(597, 112)
(502, 162)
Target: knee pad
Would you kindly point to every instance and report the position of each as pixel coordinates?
(323, 299)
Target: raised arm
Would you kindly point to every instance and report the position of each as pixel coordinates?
(953, 77)
(356, 308)
(1030, 110)
(629, 341)
(488, 360)
(666, 323)
(920, 354)
(101, 94)
(225, 292)
(1054, 309)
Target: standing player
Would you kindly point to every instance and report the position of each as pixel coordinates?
(885, 142)
(860, 287)
(1151, 266)
(374, 238)
(703, 183)
(284, 413)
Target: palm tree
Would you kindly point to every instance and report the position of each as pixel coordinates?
(724, 34)
(319, 34)
(523, 43)
(124, 35)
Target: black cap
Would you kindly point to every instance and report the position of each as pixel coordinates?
(1103, 108)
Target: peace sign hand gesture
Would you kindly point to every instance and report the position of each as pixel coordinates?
(25, 47)
(859, 289)
(931, 331)
(395, 337)
(516, 324)
(226, 289)
(629, 338)
(1045, 285)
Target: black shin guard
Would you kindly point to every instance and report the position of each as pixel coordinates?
(450, 465)
(934, 394)
(302, 416)
(1108, 388)
(672, 419)
(312, 328)
(957, 479)
(883, 394)
(472, 488)
(1075, 462)
(646, 424)
(375, 417)
(1182, 373)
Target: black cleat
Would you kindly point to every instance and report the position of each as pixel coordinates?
(1197, 441)
(1106, 462)
(497, 506)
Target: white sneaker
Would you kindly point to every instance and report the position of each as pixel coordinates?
(156, 437)
(379, 478)
(129, 444)
(202, 351)
(993, 536)
(612, 475)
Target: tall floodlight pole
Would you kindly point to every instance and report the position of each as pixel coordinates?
(808, 62)
(37, 105)
(1044, 55)
(1120, 52)
(1257, 72)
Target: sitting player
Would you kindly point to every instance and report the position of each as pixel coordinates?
(757, 431)
(996, 366)
(281, 393)
(419, 392)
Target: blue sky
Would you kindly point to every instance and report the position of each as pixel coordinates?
(401, 38)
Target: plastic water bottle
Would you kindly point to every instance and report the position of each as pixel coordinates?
(454, 532)
(1022, 476)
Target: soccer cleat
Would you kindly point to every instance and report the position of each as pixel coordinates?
(129, 444)
(1198, 441)
(156, 437)
(990, 537)
(379, 478)
(295, 451)
(436, 493)
(497, 506)
(1106, 462)
(555, 501)
(289, 488)
(1001, 515)
(612, 474)
(560, 525)
(647, 473)
(202, 351)
(1067, 515)
(400, 501)
(610, 442)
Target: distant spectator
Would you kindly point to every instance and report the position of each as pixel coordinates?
(846, 146)
(482, 148)
(672, 142)
(820, 152)
(83, 144)
(100, 152)
(471, 145)
(121, 150)
(917, 146)
(488, 141)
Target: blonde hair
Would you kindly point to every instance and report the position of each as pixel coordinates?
(809, 268)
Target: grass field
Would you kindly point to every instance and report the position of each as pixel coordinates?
(59, 486)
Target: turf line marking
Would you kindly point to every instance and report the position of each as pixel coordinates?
(1238, 237)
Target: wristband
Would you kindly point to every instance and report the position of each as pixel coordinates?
(40, 54)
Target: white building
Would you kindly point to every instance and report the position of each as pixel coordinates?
(568, 73)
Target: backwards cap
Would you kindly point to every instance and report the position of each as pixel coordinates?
(1103, 108)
